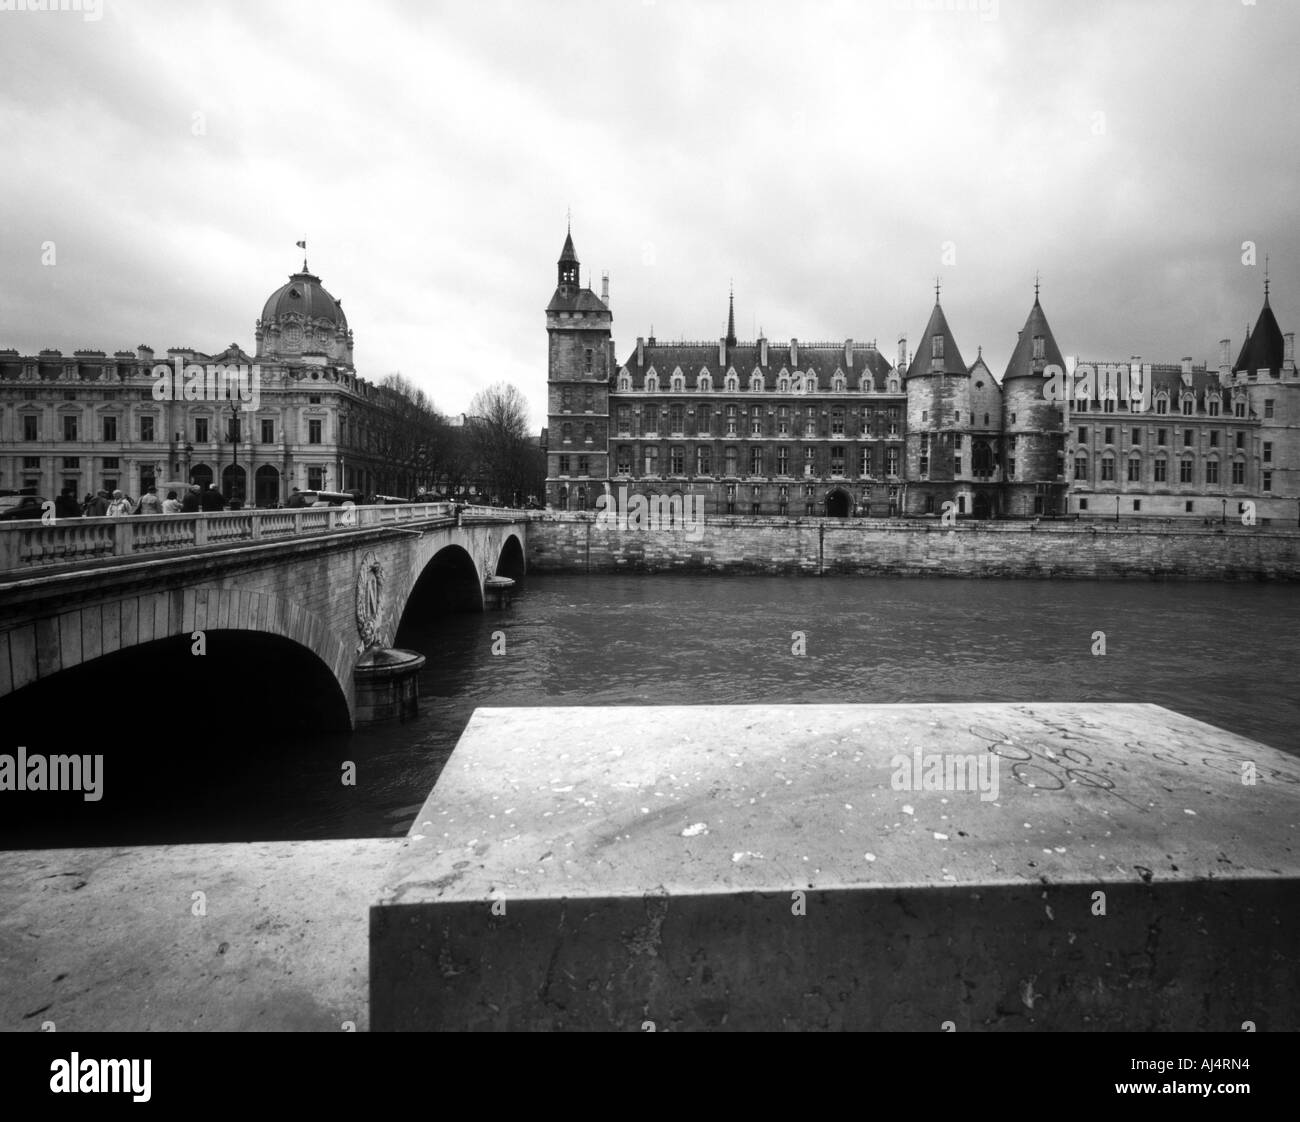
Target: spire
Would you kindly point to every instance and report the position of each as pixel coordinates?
(1035, 287)
(936, 291)
(1266, 280)
(731, 317)
(568, 266)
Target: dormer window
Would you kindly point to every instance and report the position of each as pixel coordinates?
(936, 346)
(705, 383)
(1038, 346)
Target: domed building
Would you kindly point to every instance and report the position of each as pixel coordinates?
(302, 320)
(92, 420)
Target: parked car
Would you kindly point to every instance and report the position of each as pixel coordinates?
(15, 507)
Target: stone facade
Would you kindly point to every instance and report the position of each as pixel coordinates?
(794, 429)
(92, 420)
(775, 546)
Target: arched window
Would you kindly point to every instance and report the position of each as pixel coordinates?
(678, 382)
(625, 381)
(756, 382)
(652, 382)
(566, 433)
(704, 383)
(838, 383)
(733, 383)
(782, 384)
(893, 385)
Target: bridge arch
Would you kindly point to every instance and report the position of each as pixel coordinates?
(510, 561)
(42, 650)
(449, 581)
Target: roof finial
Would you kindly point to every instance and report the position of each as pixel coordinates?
(731, 316)
(1035, 286)
(1266, 278)
(936, 290)
(303, 246)
(568, 221)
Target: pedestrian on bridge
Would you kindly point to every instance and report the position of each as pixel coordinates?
(98, 506)
(66, 505)
(119, 506)
(171, 504)
(191, 504)
(149, 502)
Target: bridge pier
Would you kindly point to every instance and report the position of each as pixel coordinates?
(387, 685)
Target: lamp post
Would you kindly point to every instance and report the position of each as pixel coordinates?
(1117, 509)
(234, 450)
(1224, 520)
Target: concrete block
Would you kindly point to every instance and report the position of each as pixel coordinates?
(1053, 866)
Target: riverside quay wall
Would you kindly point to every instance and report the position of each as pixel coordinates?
(584, 543)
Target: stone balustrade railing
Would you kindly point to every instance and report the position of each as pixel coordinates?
(29, 544)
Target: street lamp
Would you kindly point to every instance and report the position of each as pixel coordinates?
(1117, 508)
(1224, 520)
(234, 449)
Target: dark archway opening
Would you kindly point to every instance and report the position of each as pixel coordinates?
(233, 483)
(241, 743)
(511, 562)
(982, 507)
(449, 583)
(838, 504)
(266, 486)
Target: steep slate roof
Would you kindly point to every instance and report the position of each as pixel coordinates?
(583, 300)
(1168, 377)
(1021, 364)
(952, 360)
(1262, 350)
(567, 254)
(696, 357)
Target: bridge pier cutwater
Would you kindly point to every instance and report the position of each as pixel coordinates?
(327, 586)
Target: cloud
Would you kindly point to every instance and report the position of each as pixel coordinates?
(822, 156)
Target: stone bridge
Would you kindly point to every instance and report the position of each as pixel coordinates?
(314, 587)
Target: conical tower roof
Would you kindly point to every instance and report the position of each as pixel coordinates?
(1263, 349)
(951, 361)
(568, 255)
(1022, 363)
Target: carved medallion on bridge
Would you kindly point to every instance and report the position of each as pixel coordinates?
(370, 591)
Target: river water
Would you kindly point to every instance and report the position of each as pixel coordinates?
(1225, 654)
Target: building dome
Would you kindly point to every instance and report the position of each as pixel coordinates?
(302, 319)
(305, 297)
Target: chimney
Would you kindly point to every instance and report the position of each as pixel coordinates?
(794, 352)
(1187, 366)
(762, 352)
(604, 288)
(1225, 353)
(722, 353)
(848, 353)
(902, 353)
(1288, 349)
(143, 353)
(640, 351)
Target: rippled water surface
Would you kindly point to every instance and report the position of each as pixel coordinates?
(1225, 654)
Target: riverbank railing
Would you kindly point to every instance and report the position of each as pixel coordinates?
(32, 543)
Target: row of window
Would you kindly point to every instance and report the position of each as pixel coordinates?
(815, 461)
(1162, 439)
(1213, 408)
(783, 422)
(148, 432)
(797, 383)
(1160, 470)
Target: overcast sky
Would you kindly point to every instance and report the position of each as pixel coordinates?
(826, 157)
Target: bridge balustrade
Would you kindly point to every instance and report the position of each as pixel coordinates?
(32, 543)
